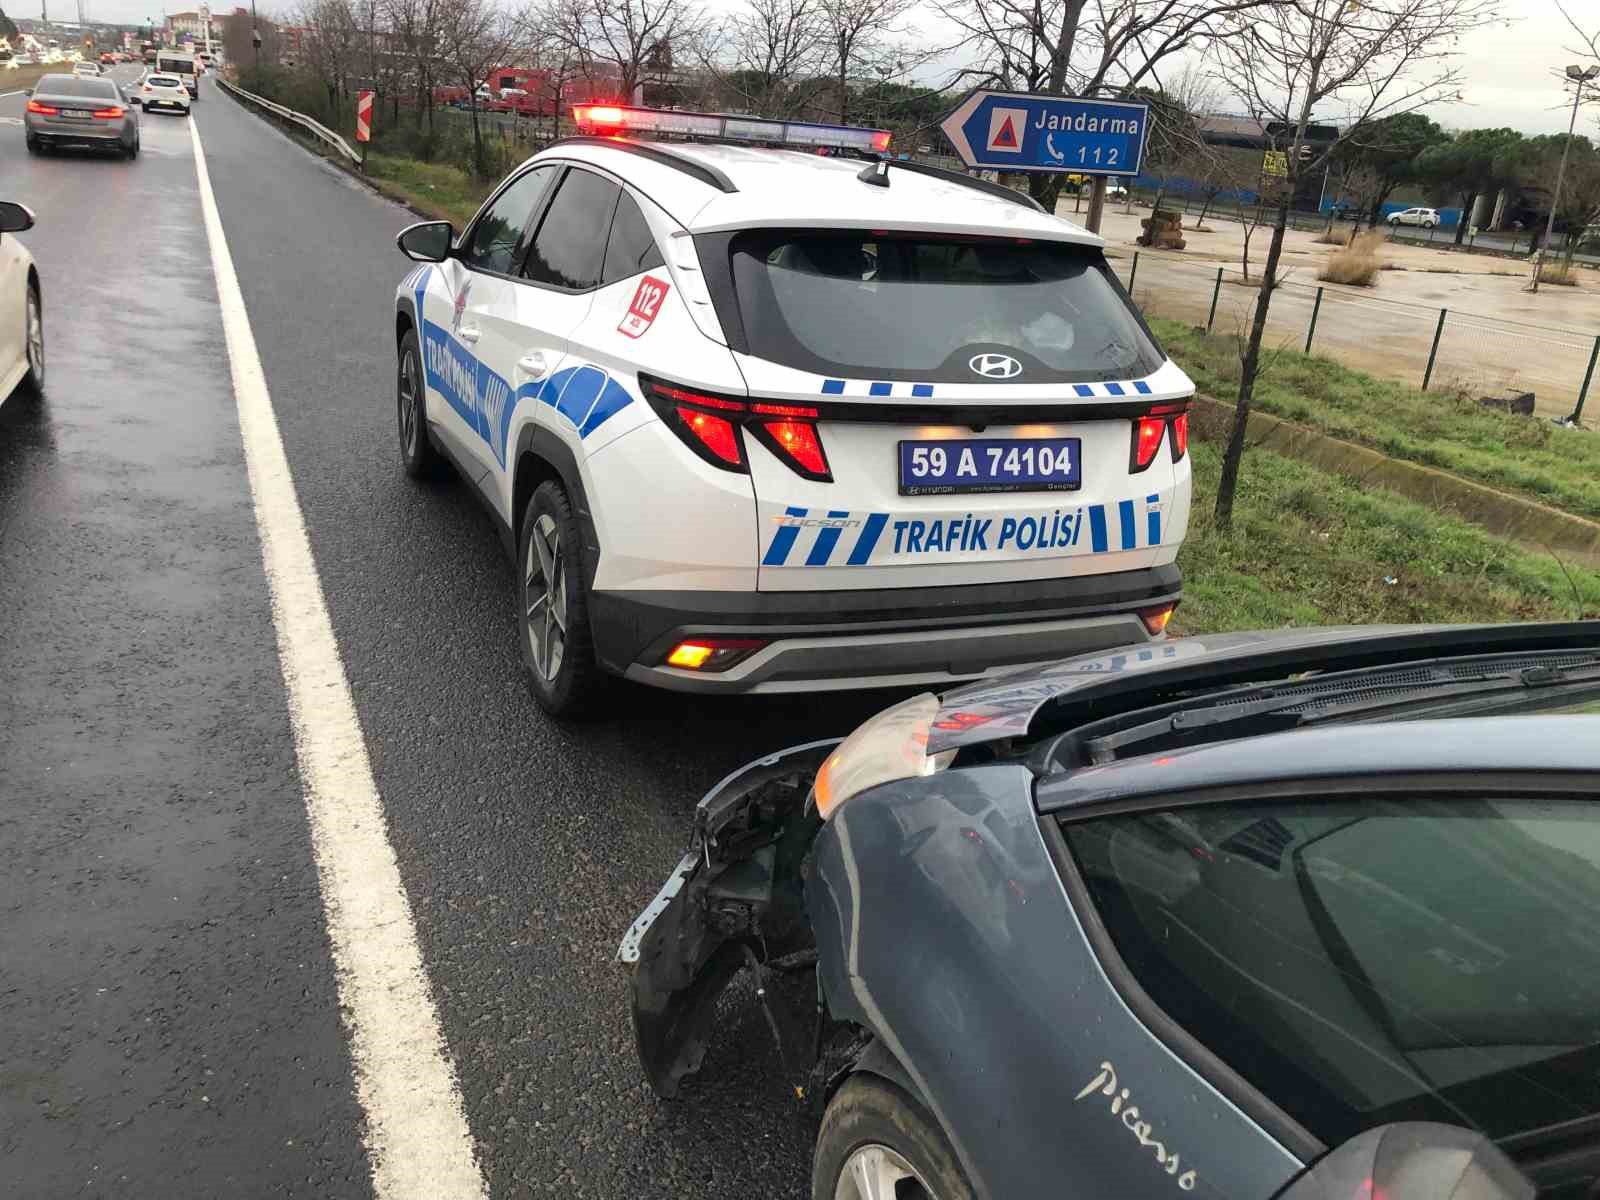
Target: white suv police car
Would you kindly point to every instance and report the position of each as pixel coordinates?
(757, 419)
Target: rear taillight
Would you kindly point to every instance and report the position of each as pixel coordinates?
(714, 426)
(1150, 431)
(43, 110)
(712, 654)
(110, 114)
(1156, 619)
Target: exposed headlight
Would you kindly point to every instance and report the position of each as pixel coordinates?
(892, 745)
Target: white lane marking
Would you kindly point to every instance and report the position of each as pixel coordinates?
(419, 1146)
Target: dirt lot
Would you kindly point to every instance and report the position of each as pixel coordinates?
(1496, 337)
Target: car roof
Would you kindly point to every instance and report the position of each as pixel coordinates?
(788, 188)
(1548, 745)
(1139, 675)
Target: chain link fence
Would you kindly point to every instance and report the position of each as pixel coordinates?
(1426, 347)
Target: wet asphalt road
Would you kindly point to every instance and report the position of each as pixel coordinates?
(168, 1021)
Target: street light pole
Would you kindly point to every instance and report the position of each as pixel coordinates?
(255, 38)
(1580, 76)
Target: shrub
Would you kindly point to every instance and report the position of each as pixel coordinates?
(1358, 263)
(1559, 274)
(1332, 237)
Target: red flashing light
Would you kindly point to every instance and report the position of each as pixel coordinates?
(1148, 433)
(608, 115)
(716, 434)
(880, 140)
(798, 441)
(1180, 435)
(43, 110)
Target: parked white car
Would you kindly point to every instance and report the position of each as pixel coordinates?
(21, 306)
(1425, 217)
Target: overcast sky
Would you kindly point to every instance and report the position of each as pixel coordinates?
(1507, 66)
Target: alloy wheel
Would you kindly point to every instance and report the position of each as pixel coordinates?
(544, 596)
(35, 338)
(875, 1172)
(410, 394)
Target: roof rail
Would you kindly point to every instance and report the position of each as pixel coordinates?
(656, 152)
(998, 190)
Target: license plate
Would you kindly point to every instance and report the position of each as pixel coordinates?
(990, 465)
(76, 114)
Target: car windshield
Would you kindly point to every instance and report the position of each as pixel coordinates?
(870, 304)
(164, 80)
(1362, 961)
(72, 85)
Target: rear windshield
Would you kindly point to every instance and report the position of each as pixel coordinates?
(178, 65)
(72, 85)
(165, 80)
(861, 303)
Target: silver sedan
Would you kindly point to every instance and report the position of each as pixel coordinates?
(70, 110)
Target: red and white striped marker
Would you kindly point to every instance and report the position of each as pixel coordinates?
(364, 116)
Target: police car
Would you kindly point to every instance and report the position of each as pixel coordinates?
(767, 419)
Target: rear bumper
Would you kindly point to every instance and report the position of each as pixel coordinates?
(820, 641)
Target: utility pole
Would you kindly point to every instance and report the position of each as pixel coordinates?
(1579, 76)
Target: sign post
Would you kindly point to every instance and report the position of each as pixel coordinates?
(1019, 131)
(364, 122)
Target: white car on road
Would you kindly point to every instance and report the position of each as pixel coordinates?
(760, 420)
(165, 92)
(21, 306)
(1425, 217)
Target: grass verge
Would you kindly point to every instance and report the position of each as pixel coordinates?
(1527, 456)
(442, 191)
(1310, 548)
(22, 78)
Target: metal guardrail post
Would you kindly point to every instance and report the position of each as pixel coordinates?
(1315, 309)
(1133, 273)
(1588, 377)
(1215, 292)
(1438, 332)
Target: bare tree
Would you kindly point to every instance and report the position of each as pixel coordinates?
(622, 40)
(1372, 59)
(330, 46)
(415, 28)
(866, 39)
(1081, 47)
(474, 36)
(763, 54)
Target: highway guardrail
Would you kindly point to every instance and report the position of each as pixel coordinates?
(315, 128)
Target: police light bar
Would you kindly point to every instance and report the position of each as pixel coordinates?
(616, 118)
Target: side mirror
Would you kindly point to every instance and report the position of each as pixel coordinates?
(14, 218)
(428, 241)
(1413, 1161)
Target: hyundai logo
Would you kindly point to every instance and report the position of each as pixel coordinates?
(995, 366)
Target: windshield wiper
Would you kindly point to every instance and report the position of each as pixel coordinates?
(1296, 705)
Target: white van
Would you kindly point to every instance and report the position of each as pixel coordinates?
(181, 64)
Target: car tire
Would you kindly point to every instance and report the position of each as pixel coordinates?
(33, 145)
(33, 341)
(418, 456)
(553, 608)
(1427, 224)
(871, 1125)
(1394, 222)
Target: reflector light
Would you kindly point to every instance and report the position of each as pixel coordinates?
(1147, 435)
(1180, 435)
(684, 396)
(616, 117)
(1155, 619)
(799, 441)
(43, 110)
(716, 434)
(784, 410)
(712, 654)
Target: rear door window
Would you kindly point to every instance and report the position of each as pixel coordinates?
(1372, 960)
(569, 249)
(631, 247)
(883, 306)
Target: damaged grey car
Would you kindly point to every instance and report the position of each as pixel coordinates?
(1306, 914)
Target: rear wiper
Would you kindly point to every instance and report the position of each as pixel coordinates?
(1272, 710)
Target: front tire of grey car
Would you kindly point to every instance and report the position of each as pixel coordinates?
(876, 1140)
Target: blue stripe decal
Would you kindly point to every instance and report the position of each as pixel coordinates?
(826, 540)
(922, 390)
(1125, 519)
(1142, 388)
(833, 387)
(1083, 389)
(880, 389)
(578, 397)
(783, 541)
(613, 400)
(870, 533)
(1097, 528)
(1153, 520)
(1115, 389)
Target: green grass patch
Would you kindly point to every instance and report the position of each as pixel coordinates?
(1450, 430)
(1310, 548)
(439, 189)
